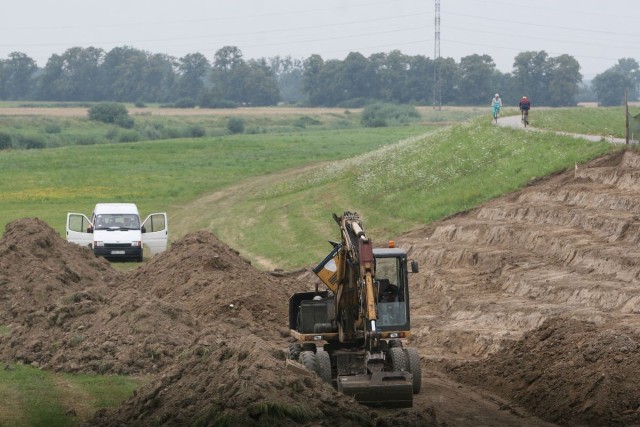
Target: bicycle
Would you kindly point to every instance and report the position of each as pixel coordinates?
(525, 117)
(496, 113)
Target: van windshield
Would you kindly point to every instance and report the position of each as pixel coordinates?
(116, 222)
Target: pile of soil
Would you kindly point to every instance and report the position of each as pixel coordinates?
(566, 371)
(208, 326)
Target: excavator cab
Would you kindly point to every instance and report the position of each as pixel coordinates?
(352, 334)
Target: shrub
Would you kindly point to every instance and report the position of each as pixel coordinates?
(125, 122)
(52, 128)
(305, 121)
(235, 125)
(31, 142)
(5, 141)
(111, 112)
(128, 136)
(185, 103)
(381, 115)
(196, 131)
(208, 100)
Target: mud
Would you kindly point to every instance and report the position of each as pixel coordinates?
(525, 312)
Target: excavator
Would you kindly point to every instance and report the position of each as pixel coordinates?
(351, 334)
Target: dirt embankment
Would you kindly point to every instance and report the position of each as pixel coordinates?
(527, 305)
(536, 296)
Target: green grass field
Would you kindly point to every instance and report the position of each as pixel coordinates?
(270, 196)
(32, 397)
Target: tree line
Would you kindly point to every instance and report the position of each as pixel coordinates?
(127, 74)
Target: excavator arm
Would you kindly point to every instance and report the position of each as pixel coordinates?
(355, 271)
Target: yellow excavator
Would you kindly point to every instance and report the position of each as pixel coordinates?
(352, 334)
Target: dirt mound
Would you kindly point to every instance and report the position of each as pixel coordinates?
(68, 310)
(567, 371)
(233, 377)
(45, 282)
(211, 326)
(215, 284)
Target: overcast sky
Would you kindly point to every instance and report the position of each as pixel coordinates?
(595, 32)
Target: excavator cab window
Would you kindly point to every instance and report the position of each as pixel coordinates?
(392, 307)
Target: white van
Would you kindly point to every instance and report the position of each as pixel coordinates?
(115, 231)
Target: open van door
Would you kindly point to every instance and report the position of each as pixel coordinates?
(155, 232)
(79, 229)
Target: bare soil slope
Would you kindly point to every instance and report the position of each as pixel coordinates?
(525, 312)
(536, 296)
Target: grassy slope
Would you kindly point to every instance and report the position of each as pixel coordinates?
(590, 121)
(395, 188)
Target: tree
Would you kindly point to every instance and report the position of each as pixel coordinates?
(122, 74)
(16, 76)
(610, 86)
(73, 76)
(531, 76)
(475, 79)
(192, 69)
(391, 75)
(312, 67)
(132, 75)
(289, 75)
(357, 77)
(260, 85)
(418, 86)
(228, 74)
(630, 68)
(447, 82)
(564, 80)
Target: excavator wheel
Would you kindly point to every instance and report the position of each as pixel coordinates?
(395, 343)
(413, 366)
(324, 365)
(294, 350)
(308, 360)
(397, 359)
(309, 346)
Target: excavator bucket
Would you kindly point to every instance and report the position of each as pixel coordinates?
(379, 389)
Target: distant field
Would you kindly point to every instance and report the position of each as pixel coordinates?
(155, 111)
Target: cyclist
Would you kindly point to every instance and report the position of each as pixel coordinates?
(525, 105)
(496, 104)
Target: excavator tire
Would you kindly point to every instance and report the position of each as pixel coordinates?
(324, 365)
(413, 366)
(294, 350)
(309, 346)
(395, 343)
(308, 360)
(397, 359)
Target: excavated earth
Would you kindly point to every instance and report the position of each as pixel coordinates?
(526, 312)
